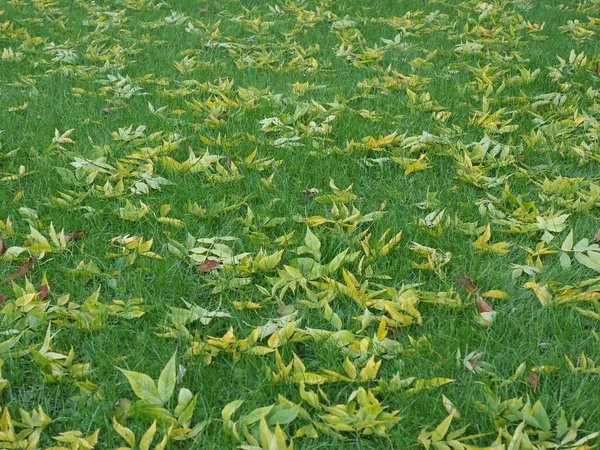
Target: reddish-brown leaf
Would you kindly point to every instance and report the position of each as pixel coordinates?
(533, 379)
(483, 306)
(2, 247)
(3, 298)
(473, 364)
(467, 284)
(597, 238)
(43, 291)
(21, 270)
(208, 265)
(597, 68)
(76, 235)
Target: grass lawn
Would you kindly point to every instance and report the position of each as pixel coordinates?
(307, 224)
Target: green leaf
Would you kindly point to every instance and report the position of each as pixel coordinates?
(568, 243)
(166, 381)
(581, 246)
(312, 241)
(332, 317)
(283, 414)
(152, 412)
(562, 425)
(256, 415)
(565, 260)
(185, 397)
(186, 414)
(143, 386)
(337, 261)
(196, 430)
(541, 416)
(7, 345)
(588, 262)
(230, 408)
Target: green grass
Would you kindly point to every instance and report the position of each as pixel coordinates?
(357, 96)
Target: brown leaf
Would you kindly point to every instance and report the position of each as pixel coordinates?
(2, 247)
(596, 239)
(21, 270)
(76, 235)
(597, 68)
(467, 284)
(108, 110)
(483, 306)
(533, 379)
(208, 265)
(473, 364)
(3, 298)
(43, 291)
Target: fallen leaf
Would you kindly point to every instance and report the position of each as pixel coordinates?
(533, 379)
(483, 306)
(495, 294)
(472, 364)
(2, 247)
(309, 192)
(285, 310)
(76, 235)
(208, 265)
(596, 239)
(43, 291)
(467, 284)
(21, 270)
(3, 298)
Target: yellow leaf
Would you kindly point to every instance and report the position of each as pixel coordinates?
(230, 409)
(124, 432)
(495, 294)
(170, 221)
(349, 368)
(148, 437)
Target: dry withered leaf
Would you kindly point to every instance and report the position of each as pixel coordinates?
(76, 235)
(467, 284)
(533, 379)
(208, 265)
(472, 364)
(597, 238)
(21, 270)
(3, 298)
(2, 247)
(483, 306)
